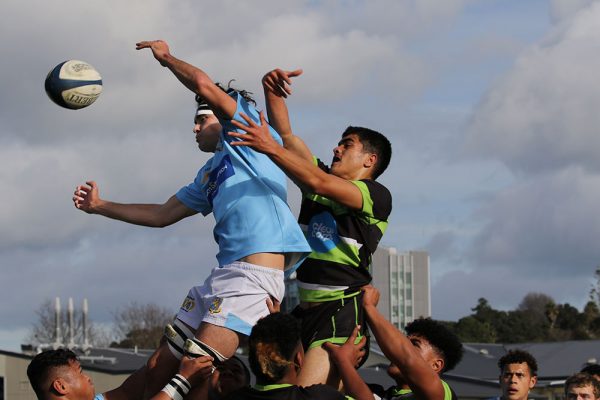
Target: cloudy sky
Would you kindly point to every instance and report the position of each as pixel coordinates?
(491, 106)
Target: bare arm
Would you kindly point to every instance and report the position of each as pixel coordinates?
(347, 358)
(420, 377)
(86, 198)
(192, 77)
(305, 174)
(276, 85)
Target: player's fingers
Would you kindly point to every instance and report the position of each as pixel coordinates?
(294, 73)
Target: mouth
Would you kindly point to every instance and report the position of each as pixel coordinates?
(335, 159)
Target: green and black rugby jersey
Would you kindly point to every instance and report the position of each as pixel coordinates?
(342, 241)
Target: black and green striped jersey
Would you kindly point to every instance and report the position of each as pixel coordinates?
(342, 241)
(287, 392)
(394, 393)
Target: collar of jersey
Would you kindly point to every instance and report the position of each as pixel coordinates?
(264, 388)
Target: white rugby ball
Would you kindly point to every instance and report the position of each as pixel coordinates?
(73, 84)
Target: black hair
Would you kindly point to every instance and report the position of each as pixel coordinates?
(273, 343)
(592, 369)
(41, 366)
(229, 89)
(518, 357)
(446, 343)
(582, 379)
(373, 142)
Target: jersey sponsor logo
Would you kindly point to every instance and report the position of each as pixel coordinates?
(217, 176)
(215, 306)
(188, 304)
(322, 233)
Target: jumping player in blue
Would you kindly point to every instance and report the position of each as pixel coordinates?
(257, 234)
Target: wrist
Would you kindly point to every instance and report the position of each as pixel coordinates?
(177, 388)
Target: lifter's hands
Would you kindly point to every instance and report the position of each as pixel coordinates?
(196, 370)
(278, 81)
(86, 197)
(350, 352)
(160, 49)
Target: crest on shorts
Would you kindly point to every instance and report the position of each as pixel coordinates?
(215, 306)
(188, 304)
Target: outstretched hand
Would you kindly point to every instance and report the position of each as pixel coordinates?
(257, 136)
(86, 197)
(349, 352)
(273, 305)
(278, 81)
(160, 49)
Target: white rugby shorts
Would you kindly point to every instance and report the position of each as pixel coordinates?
(233, 296)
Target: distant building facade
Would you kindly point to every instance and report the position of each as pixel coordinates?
(402, 279)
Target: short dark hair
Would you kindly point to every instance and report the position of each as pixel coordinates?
(592, 369)
(373, 142)
(41, 366)
(272, 344)
(518, 357)
(582, 379)
(442, 339)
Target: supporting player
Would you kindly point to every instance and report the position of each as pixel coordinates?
(344, 214)
(57, 374)
(417, 359)
(276, 356)
(257, 234)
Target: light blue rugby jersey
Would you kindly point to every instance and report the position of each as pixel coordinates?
(246, 192)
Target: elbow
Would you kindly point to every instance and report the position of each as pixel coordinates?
(203, 83)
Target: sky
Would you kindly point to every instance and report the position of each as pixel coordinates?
(491, 107)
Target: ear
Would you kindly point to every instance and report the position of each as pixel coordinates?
(60, 386)
(532, 382)
(370, 161)
(437, 364)
(299, 357)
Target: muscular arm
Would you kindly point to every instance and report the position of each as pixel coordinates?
(420, 377)
(305, 174)
(276, 85)
(86, 198)
(193, 78)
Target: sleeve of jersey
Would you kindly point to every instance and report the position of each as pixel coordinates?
(244, 107)
(193, 197)
(99, 396)
(377, 200)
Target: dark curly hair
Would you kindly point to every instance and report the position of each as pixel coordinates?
(229, 89)
(518, 357)
(272, 344)
(373, 142)
(446, 343)
(41, 366)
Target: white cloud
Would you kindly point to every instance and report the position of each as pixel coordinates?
(543, 114)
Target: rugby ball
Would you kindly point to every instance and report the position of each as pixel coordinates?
(73, 84)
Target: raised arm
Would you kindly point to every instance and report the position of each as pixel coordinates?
(192, 77)
(347, 358)
(420, 377)
(304, 173)
(86, 198)
(276, 85)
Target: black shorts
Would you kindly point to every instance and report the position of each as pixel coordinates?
(332, 321)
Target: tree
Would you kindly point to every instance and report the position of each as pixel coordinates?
(43, 331)
(141, 325)
(595, 290)
(470, 329)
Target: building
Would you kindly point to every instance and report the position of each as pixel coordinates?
(403, 281)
